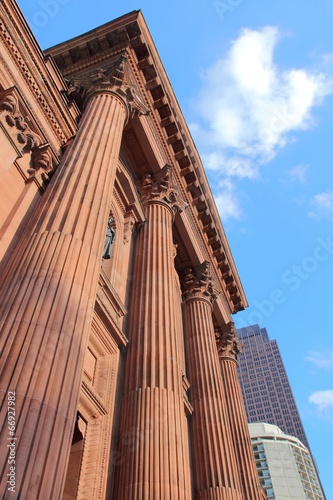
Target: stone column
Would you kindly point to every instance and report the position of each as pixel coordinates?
(228, 349)
(152, 460)
(216, 475)
(47, 300)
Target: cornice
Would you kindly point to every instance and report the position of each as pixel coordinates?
(190, 167)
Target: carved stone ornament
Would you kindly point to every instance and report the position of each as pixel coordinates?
(41, 162)
(25, 139)
(198, 284)
(113, 76)
(162, 187)
(129, 223)
(228, 344)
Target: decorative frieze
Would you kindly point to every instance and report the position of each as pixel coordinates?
(30, 70)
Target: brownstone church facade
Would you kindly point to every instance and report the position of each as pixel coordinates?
(118, 351)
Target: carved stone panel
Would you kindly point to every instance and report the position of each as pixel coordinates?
(24, 135)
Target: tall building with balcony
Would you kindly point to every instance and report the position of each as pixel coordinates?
(117, 283)
(267, 393)
(284, 465)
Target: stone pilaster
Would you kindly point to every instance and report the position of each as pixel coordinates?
(229, 347)
(153, 459)
(215, 470)
(48, 297)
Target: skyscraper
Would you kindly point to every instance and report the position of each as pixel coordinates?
(265, 386)
(285, 466)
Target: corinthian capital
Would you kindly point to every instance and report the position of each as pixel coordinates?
(161, 187)
(228, 344)
(198, 283)
(114, 76)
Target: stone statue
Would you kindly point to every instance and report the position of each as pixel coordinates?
(109, 239)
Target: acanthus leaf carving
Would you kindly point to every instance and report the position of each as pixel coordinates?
(114, 76)
(161, 187)
(228, 343)
(198, 283)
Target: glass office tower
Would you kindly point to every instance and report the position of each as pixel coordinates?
(265, 386)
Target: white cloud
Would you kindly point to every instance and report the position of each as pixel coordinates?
(322, 205)
(226, 201)
(322, 399)
(235, 166)
(322, 360)
(298, 173)
(248, 104)
(249, 108)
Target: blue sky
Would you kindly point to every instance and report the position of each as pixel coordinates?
(254, 81)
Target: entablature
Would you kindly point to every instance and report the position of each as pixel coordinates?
(37, 77)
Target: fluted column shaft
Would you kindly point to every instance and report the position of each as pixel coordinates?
(153, 459)
(47, 303)
(252, 489)
(216, 474)
(228, 348)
